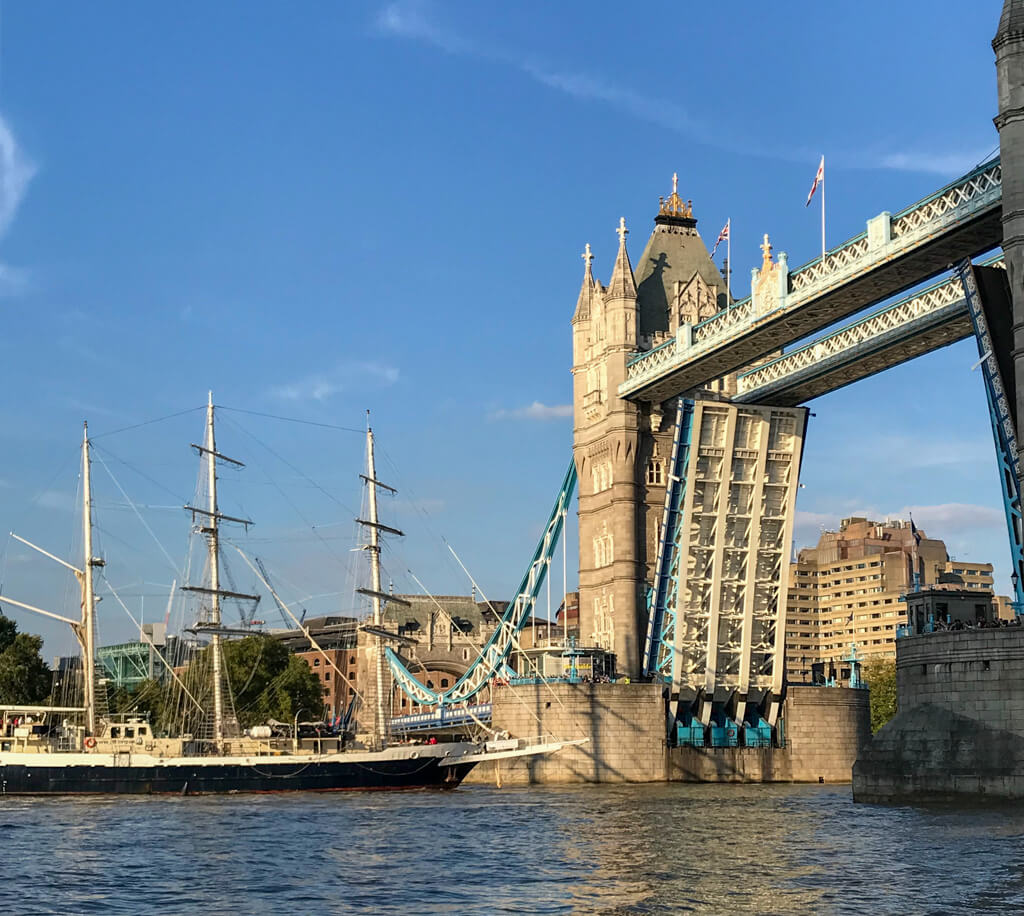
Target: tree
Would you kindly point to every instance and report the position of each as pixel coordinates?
(24, 676)
(880, 675)
(268, 682)
(147, 699)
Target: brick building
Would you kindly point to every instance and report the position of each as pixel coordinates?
(850, 587)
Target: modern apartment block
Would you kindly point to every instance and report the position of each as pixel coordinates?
(847, 590)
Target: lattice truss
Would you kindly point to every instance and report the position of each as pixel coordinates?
(492, 660)
(1003, 427)
(974, 193)
(726, 571)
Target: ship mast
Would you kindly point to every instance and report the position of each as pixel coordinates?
(378, 597)
(212, 540)
(88, 594)
(211, 528)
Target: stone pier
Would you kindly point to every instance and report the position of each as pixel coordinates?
(960, 726)
(825, 727)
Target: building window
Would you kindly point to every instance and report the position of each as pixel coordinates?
(316, 663)
(327, 675)
(604, 553)
(655, 469)
(604, 622)
(444, 682)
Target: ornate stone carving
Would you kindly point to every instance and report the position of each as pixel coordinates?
(766, 289)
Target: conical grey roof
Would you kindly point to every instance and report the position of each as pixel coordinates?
(1012, 20)
(674, 252)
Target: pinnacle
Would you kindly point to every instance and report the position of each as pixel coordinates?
(622, 284)
(1011, 22)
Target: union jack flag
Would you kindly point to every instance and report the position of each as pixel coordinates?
(819, 177)
(722, 236)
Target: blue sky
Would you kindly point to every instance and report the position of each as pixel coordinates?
(315, 210)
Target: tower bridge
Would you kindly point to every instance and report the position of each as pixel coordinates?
(688, 434)
(893, 254)
(928, 320)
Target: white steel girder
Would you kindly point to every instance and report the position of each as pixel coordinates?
(893, 254)
(729, 621)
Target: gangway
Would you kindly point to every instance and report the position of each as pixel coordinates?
(442, 717)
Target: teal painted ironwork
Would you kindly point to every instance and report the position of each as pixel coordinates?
(491, 662)
(1003, 431)
(662, 598)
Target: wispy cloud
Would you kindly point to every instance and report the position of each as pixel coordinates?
(534, 411)
(945, 521)
(936, 163)
(412, 20)
(16, 172)
(322, 386)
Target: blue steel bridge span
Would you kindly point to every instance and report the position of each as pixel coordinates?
(895, 253)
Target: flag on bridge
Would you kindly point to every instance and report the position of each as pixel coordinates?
(723, 236)
(913, 530)
(819, 178)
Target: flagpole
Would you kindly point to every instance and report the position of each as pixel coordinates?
(728, 261)
(822, 211)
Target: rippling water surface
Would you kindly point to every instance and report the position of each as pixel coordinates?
(602, 850)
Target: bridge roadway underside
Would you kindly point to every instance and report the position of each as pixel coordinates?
(832, 373)
(972, 238)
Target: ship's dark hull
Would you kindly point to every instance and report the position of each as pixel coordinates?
(225, 777)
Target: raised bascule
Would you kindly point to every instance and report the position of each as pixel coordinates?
(689, 430)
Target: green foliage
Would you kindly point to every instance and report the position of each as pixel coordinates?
(8, 630)
(268, 682)
(147, 699)
(265, 679)
(880, 674)
(24, 676)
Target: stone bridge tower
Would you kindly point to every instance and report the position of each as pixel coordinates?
(622, 448)
(1009, 48)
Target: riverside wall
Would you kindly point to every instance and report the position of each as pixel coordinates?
(960, 726)
(825, 728)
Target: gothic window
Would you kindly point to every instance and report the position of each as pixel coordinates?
(601, 473)
(655, 470)
(604, 622)
(603, 548)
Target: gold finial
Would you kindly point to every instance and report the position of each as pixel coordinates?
(766, 249)
(673, 204)
(622, 230)
(587, 256)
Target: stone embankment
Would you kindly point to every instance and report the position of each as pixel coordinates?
(960, 726)
(824, 728)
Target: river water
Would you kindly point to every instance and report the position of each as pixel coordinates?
(595, 850)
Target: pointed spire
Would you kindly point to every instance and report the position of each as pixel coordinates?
(587, 290)
(622, 284)
(1011, 22)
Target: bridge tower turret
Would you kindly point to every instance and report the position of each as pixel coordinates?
(1009, 47)
(621, 447)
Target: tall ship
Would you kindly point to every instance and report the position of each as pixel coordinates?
(83, 749)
